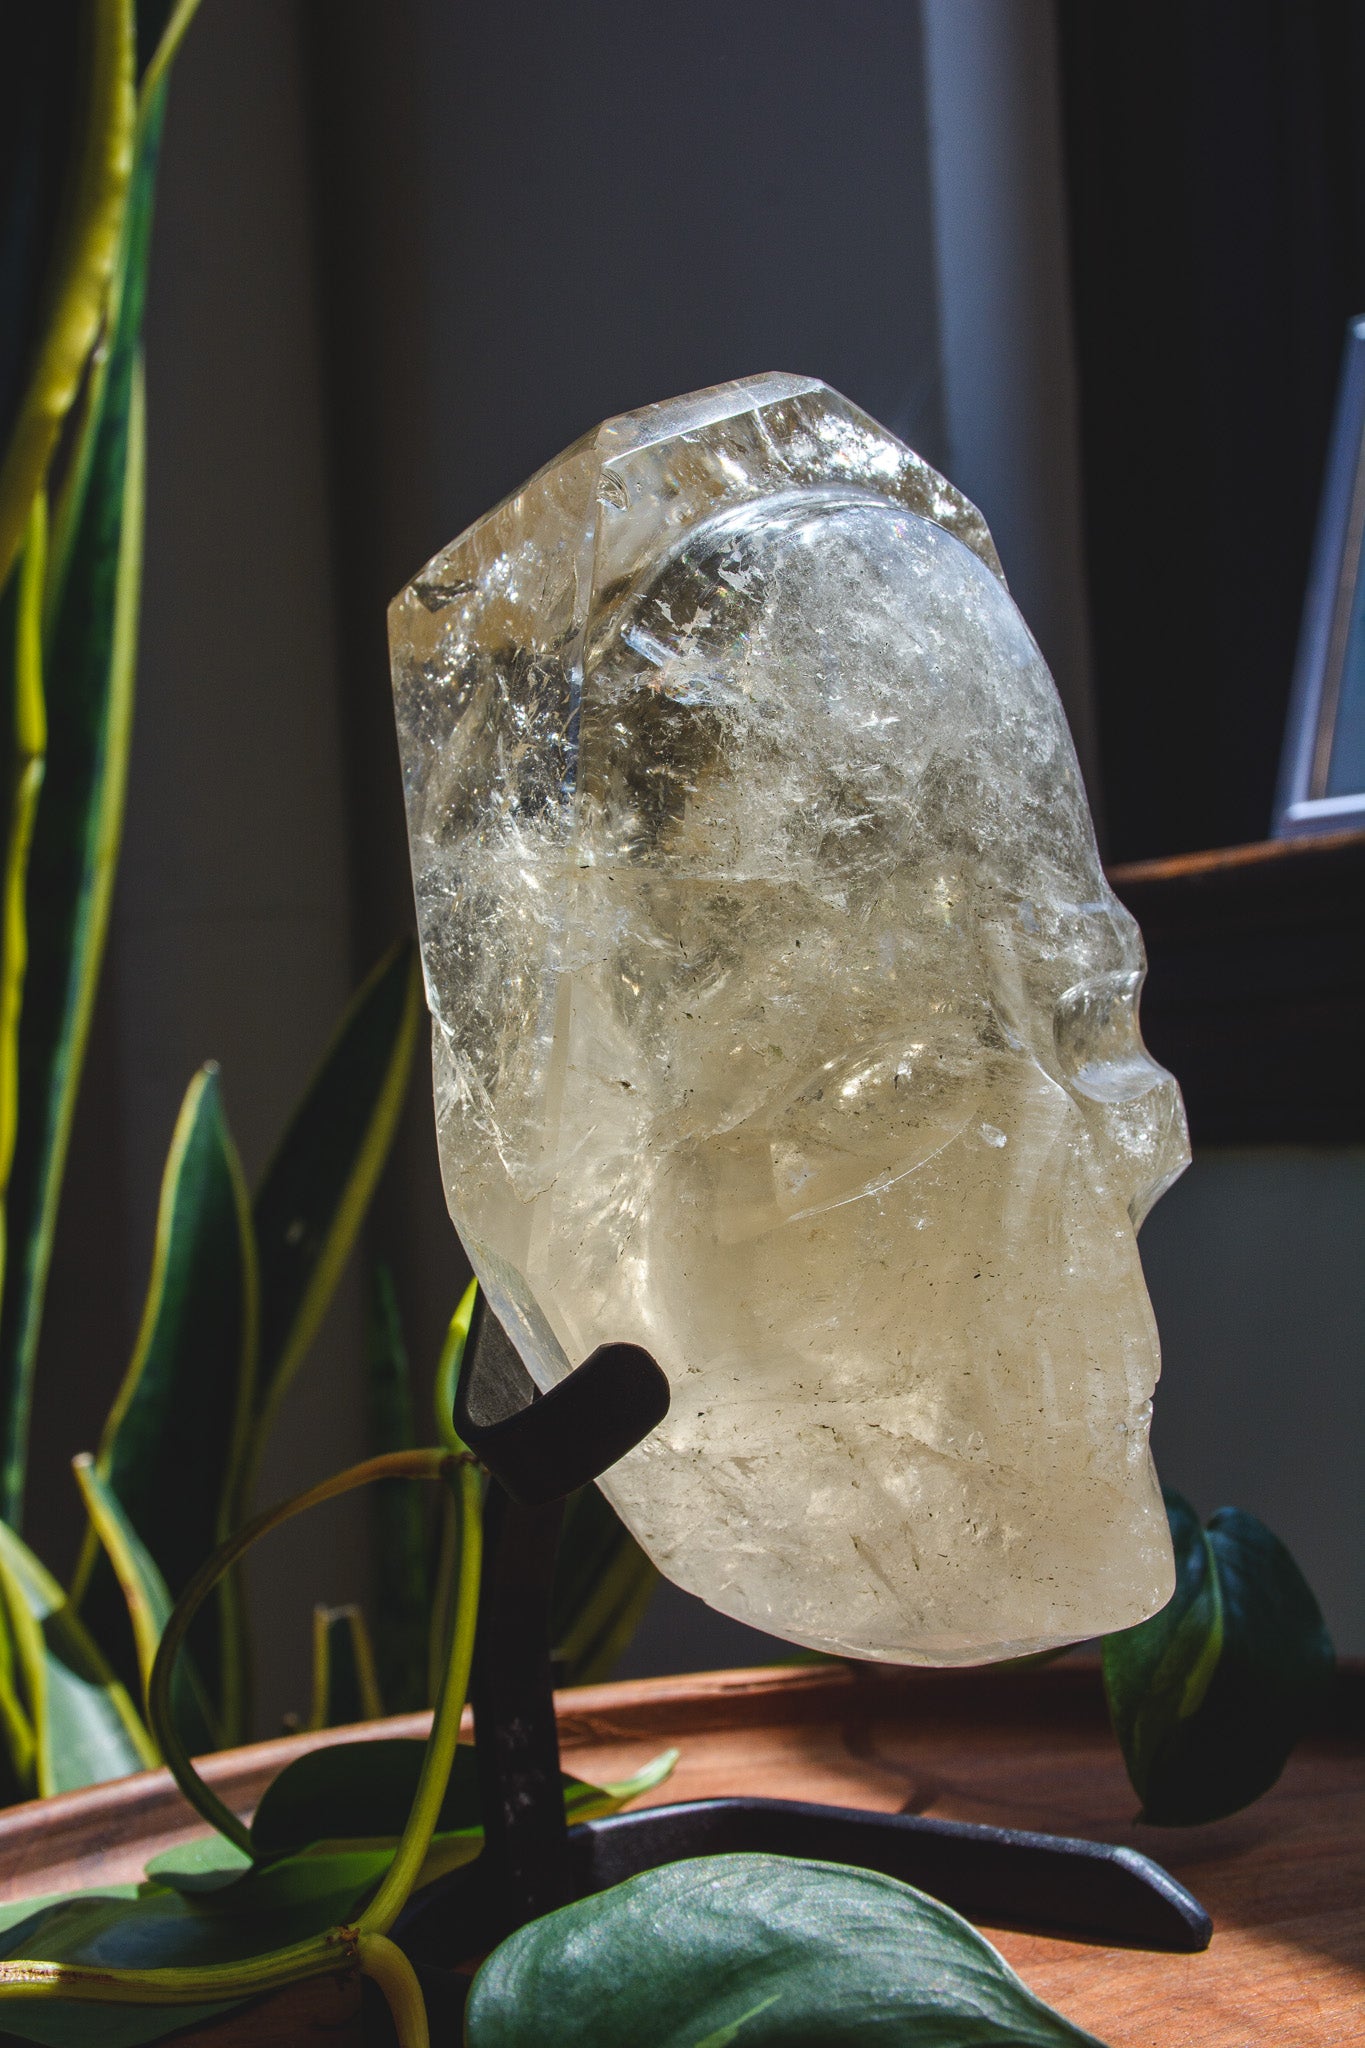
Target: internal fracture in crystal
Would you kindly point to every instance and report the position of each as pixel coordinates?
(785, 1024)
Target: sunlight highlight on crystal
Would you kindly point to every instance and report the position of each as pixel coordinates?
(785, 1024)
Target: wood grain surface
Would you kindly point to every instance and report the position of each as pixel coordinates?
(1284, 1881)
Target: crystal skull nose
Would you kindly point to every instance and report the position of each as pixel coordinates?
(786, 1025)
(1096, 1030)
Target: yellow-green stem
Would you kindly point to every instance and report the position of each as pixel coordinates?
(384, 1962)
(415, 1841)
(448, 1370)
(422, 1464)
(364, 1945)
(87, 1984)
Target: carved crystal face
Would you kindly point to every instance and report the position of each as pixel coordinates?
(786, 1025)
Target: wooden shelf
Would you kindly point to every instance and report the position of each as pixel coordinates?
(1255, 995)
(1032, 1748)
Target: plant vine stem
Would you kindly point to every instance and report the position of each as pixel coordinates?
(365, 1945)
(415, 1841)
(448, 1369)
(420, 1464)
(87, 1984)
(383, 1961)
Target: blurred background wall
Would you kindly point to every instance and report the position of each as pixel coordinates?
(406, 253)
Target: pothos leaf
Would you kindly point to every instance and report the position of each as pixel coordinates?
(756, 1949)
(356, 1790)
(1209, 1696)
(58, 2024)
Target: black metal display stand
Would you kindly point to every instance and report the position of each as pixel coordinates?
(540, 1448)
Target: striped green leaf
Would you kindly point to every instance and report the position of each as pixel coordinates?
(81, 267)
(175, 1435)
(149, 1605)
(23, 748)
(316, 1190)
(90, 607)
(85, 1728)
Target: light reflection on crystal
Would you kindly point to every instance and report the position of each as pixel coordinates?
(785, 1023)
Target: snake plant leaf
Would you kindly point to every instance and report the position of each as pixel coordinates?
(23, 749)
(175, 1435)
(1209, 1697)
(756, 1950)
(84, 1724)
(18, 1755)
(345, 1689)
(148, 1602)
(363, 1790)
(41, 86)
(82, 268)
(90, 608)
(402, 1581)
(603, 1584)
(316, 1190)
(89, 690)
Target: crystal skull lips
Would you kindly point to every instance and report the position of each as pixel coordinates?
(786, 1025)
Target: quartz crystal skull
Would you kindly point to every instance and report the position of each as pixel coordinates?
(785, 1024)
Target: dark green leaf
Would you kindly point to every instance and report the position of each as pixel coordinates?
(402, 1602)
(206, 1863)
(122, 1927)
(175, 1435)
(39, 107)
(60, 264)
(316, 1190)
(149, 1606)
(357, 1790)
(69, 2025)
(1209, 1697)
(755, 1949)
(84, 1725)
(89, 659)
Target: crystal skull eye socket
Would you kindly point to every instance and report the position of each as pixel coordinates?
(787, 1025)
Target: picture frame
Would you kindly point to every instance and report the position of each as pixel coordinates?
(1322, 766)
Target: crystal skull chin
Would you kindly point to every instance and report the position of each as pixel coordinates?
(844, 1112)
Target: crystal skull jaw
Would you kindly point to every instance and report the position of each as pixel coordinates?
(668, 856)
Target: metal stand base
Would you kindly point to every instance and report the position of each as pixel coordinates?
(531, 1862)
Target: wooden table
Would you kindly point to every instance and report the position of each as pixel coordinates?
(1284, 1881)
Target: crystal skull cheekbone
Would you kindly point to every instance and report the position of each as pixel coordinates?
(785, 1024)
